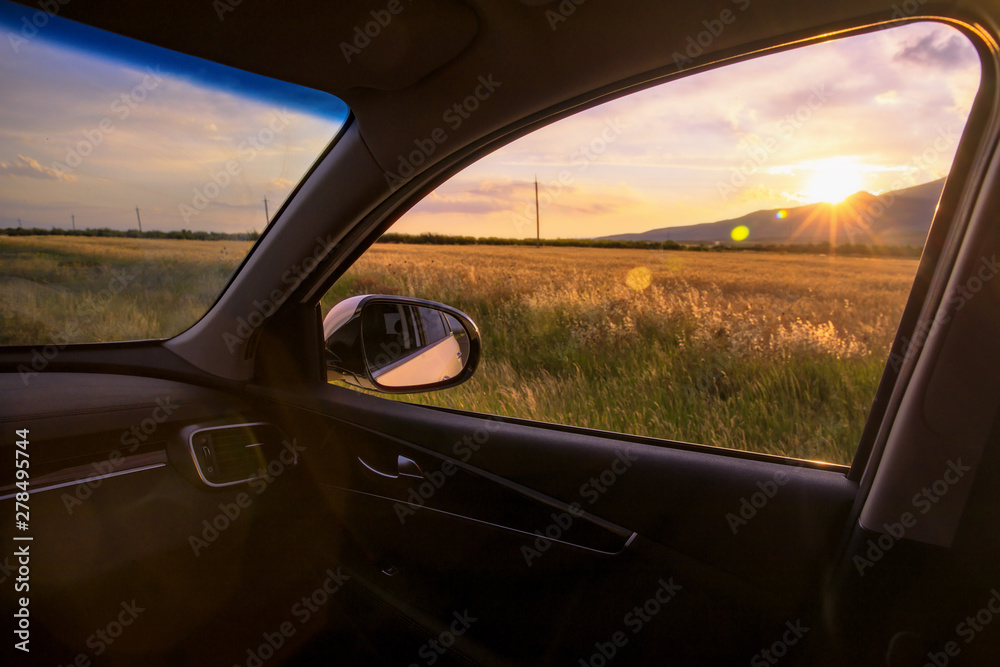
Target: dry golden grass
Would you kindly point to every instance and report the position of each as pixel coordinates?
(763, 352)
(89, 289)
(766, 352)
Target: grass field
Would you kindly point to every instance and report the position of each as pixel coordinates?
(764, 352)
(89, 289)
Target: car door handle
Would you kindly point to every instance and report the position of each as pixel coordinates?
(404, 468)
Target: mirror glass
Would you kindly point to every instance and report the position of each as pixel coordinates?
(407, 345)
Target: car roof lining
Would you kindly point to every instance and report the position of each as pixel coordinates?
(333, 47)
(432, 54)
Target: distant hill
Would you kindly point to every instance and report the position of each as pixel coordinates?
(900, 217)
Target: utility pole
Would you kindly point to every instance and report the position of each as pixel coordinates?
(73, 218)
(138, 218)
(538, 223)
(267, 216)
(19, 223)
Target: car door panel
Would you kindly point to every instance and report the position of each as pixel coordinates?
(449, 486)
(475, 545)
(678, 496)
(456, 548)
(135, 536)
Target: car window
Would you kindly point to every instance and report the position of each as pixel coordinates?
(133, 179)
(722, 259)
(393, 329)
(433, 325)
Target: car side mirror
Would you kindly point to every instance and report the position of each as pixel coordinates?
(398, 345)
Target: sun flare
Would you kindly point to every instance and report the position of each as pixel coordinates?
(834, 183)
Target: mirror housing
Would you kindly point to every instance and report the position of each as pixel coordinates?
(399, 345)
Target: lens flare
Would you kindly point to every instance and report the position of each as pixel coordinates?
(639, 278)
(781, 215)
(741, 233)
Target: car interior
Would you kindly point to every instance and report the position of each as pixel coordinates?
(268, 516)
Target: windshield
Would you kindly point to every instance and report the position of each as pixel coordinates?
(134, 179)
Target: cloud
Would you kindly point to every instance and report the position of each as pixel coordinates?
(485, 197)
(280, 184)
(931, 51)
(175, 141)
(888, 97)
(28, 167)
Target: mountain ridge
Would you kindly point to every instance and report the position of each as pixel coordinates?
(897, 217)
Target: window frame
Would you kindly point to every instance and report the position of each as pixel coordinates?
(345, 126)
(936, 262)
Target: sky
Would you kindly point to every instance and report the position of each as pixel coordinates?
(874, 112)
(94, 125)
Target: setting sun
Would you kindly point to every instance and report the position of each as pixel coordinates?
(833, 183)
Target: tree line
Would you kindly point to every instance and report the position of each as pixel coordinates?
(185, 234)
(824, 248)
